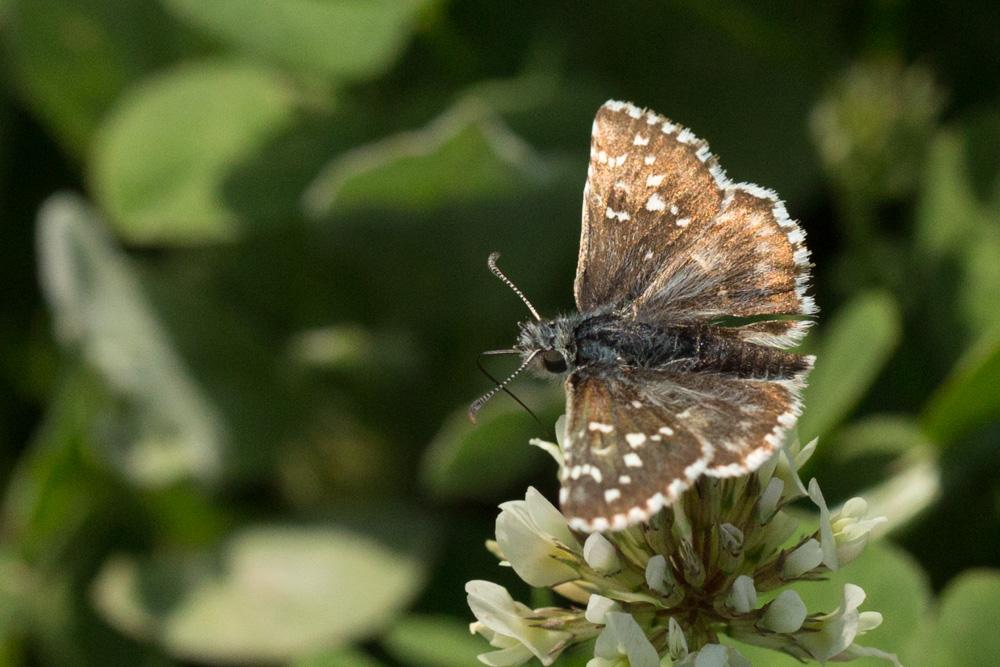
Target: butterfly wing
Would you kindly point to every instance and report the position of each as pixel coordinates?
(667, 237)
(634, 443)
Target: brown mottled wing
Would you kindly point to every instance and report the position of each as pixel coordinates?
(635, 443)
(667, 237)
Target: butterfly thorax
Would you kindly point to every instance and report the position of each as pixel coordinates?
(607, 343)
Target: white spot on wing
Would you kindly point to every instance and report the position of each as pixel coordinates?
(654, 180)
(666, 430)
(611, 495)
(649, 159)
(621, 216)
(640, 140)
(655, 203)
(635, 439)
(598, 426)
(632, 460)
(681, 222)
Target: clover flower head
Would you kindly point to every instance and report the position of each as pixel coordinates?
(663, 592)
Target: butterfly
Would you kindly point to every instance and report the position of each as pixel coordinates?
(690, 289)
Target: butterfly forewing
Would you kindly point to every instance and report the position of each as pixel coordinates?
(649, 182)
(667, 236)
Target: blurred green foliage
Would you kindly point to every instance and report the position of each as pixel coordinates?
(244, 286)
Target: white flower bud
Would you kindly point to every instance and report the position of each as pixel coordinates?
(808, 556)
(785, 614)
(659, 577)
(601, 554)
(731, 539)
(677, 646)
(769, 500)
(742, 597)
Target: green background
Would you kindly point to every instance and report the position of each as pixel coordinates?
(243, 284)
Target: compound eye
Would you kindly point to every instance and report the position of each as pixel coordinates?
(554, 361)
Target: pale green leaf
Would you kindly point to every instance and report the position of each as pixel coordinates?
(433, 641)
(341, 658)
(166, 426)
(268, 593)
(72, 58)
(855, 346)
(480, 460)
(161, 161)
(347, 38)
(467, 154)
(964, 634)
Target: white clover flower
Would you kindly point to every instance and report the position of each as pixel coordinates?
(785, 614)
(536, 540)
(623, 638)
(507, 625)
(836, 631)
(662, 593)
(852, 527)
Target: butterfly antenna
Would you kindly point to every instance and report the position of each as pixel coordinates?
(507, 391)
(492, 263)
(478, 404)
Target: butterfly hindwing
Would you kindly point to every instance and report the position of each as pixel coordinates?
(623, 458)
(634, 443)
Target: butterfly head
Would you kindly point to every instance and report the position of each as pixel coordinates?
(550, 343)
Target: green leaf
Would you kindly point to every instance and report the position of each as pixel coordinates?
(482, 460)
(879, 435)
(895, 586)
(969, 397)
(345, 658)
(433, 641)
(269, 593)
(72, 58)
(964, 634)
(947, 210)
(856, 344)
(346, 38)
(956, 232)
(165, 427)
(468, 154)
(161, 161)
